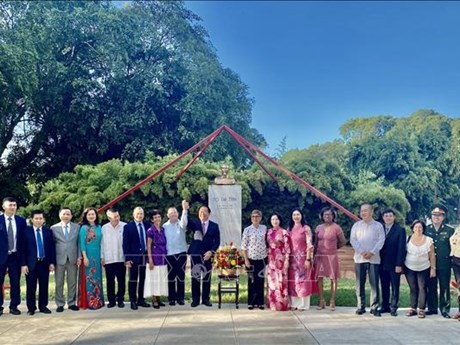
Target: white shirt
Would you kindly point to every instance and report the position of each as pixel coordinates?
(418, 257)
(13, 224)
(175, 235)
(112, 243)
(63, 225)
(367, 237)
(36, 241)
(142, 233)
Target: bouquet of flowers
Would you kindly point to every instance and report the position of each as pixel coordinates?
(228, 258)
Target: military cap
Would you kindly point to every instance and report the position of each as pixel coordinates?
(438, 209)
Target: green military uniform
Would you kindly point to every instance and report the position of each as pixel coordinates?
(443, 269)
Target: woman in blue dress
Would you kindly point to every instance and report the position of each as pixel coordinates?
(91, 295)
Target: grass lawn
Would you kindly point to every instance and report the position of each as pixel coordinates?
(346, 295)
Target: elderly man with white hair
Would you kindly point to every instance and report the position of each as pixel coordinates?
(135, 251)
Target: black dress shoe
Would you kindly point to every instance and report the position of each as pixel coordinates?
(181, 302)
(360, 311)
(45, 310)
(194, 304)
(172, 303)
(143, 304)
(111, 305)
(74, 308)
(207, 304)
(431, 312)
(31, 312)
(384, 310)
(133, 306)
(15, 311)
(445, 315)
(156, 306)
(394, 313)
(60, 309)
(121, 304)
(375, 312)
(1, 311)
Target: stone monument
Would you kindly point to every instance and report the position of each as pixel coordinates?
(225, 203)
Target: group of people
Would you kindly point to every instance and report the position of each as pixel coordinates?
(294, 262)
(426, 257)
(294, 259)
(154, 255)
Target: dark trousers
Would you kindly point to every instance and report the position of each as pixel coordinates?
(14, 272)
(201, 273)
(443, 276)
(456, 269)
(418, 281)
(40, 274)
(361, 271)
(256, 282)
(176, 276)
(389, 278)
(136, 281)
(115, 270)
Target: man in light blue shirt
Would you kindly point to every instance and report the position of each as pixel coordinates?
(176, 247)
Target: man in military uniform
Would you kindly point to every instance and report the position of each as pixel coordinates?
(440, 233)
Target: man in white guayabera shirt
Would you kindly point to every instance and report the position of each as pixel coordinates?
(176, 248)
(113, 258)
(367, 238)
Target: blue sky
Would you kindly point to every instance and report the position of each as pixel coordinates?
(311, 66)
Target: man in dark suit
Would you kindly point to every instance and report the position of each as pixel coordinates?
(38, 259)
(206, 240)
(12, 228)
(135, 251)
(392, 256)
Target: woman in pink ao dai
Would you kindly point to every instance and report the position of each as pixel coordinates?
(302, 282)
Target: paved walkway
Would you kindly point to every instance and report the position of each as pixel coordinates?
(185, 325)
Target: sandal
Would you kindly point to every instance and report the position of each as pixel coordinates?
(421, 314)
(321, 304)
(332, 305)
(411, 312)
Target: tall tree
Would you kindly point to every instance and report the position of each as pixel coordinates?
(84, 82)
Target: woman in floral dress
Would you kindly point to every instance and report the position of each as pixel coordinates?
(279, 249)
(90, 289)
(302, 282)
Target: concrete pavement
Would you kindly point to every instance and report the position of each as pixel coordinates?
(203, 325)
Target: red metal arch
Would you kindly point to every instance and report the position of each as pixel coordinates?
(252, 150)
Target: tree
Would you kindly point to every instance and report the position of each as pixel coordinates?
(417, 154)
(90, 82)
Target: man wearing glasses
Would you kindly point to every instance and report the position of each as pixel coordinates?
(440, 233)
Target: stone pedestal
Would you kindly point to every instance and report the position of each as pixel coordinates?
(225, 204)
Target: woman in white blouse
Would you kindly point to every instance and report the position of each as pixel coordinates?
(420, 266)
(254, 248)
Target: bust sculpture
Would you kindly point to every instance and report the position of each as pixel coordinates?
(224, 179)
